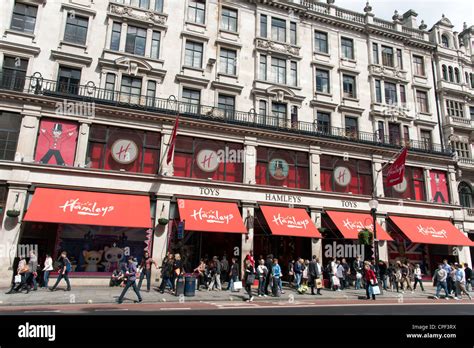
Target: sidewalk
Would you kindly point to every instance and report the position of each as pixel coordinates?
(96, 295)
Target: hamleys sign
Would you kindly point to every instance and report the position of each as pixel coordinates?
(211, 216)
(85, 208)
(290, 221)
(432, 232)
(356, 225)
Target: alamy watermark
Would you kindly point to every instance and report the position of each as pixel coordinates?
(20, 250)
(82, 109)
(337, 250)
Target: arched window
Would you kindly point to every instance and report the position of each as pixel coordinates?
(451, 76)
(445, 72)
(445, 41)
(465, 194)
(456, 75)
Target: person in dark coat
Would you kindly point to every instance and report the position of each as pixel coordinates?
(269, 265)
(131, 274)
(313, 275)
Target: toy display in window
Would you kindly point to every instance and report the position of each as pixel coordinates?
(57, 142)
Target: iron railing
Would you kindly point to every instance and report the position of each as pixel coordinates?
(171, 106)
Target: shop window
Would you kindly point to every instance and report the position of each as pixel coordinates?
(204, 158)
(412, 187)
(10, 125)
(282, 168)
(113, 148)
(349, 176)
(465, 195)
(439, 186)
(57, 140)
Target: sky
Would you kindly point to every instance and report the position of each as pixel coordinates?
(457, 11)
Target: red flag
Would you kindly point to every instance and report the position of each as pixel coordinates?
(172, 142)
(396, 171)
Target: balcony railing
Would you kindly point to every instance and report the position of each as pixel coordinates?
(171, 106)
(465, 160)
(455, 120)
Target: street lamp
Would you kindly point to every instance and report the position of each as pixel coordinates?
(374, 204)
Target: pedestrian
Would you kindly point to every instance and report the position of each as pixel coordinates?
(249, 278)
(313, 274)
(383, 273)
(262, 272)
(340, 275)
(332, 269)
(249, 257)
(370, 282)
(276, 275)
(305, 277)
(358, 268)
(461, 283)
(291, 272)
(269, 265)
(216, 275)
(452, 279)
(439, 279)
(131, 275)
(200, 272)
(167, 274)
(468, 273)
(63, 272)
(298, 271)
(33, 273)
(48, 267)
(448, 270)
(233, 274)
(405, 279)
(418, 277)
(145, 270)
(224, 269)
(22, 270)
(347, 272)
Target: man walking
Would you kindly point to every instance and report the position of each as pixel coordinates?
(269, 265)
(145, 266)
(313, 273)
(468, 274)
(418, 278)
(131, 275)
(358, 266)
(440, 277)
(224, 269)
(448, 269)
(64, 269)
(33, 266)
(233, 274)
(461, 283)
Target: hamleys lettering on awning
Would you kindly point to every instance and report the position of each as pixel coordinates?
(285, 221)
(431, 231)
(89, 208)
(209, 216)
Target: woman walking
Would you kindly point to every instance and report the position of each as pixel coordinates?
(249, 278)
(418, 275)
(48, 267)
(370, 281)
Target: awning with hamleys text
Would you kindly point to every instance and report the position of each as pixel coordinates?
(431, 231)
(89, 208)
(350, 224)
(210, 216)
(293, 222)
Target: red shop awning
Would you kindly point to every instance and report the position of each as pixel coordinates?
(89, 208)
(208, 216)
(431, 231)
(350, 224)
(290, 222)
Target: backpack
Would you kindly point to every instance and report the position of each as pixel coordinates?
(68, 265)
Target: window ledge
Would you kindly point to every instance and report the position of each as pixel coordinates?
(350, 60)
(228, 75)
(429, 114)
(225, 31)
(20, 33)
(123, 53)
(72, 44)
(192, 68)
(322, 54)
(323, 94)
(202, 25)
(420, 76)
(352, 99)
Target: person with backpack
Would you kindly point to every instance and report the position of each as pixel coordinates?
(63, 272)
(460, 283)
(439, 279)
(131, 275)
(262, 272)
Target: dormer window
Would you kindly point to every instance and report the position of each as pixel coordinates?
(444, 41)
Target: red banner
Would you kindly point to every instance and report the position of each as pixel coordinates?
(207, 216)
(396, 171)
(172, 143)
(89, 208)
(293, 222)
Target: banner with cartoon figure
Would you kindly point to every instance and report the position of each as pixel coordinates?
(56, 143)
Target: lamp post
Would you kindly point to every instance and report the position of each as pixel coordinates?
(374, 204)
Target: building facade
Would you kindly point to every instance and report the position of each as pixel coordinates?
(282, 105)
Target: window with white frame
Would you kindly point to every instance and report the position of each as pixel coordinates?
(461, 148)
(131, 89)
(110, 86)
(279, 70)
(454, 108)
(322, 81)
(321, 42)
(278, 29)
(375, 53)
(229, 19)
(418, 66)
(76, 29)
(115, 37)
(159, 6)
(422, 101)
(390, 93)
(228, 61)
(192, 97)
(347, 48)
(293, 34)
(378, 91)
(136, 40)
(387, 56)
(155, 45)
(263, 67)
(279, 111)
(263, 25)
(227, 104)
(349, 86)
(293, 73)
(197, 11)
(193, 54)
(24, 17)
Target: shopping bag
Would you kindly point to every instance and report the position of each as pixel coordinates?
(319, 284)
(250, 279)
(17, 279)
(237, 285)
(335, 281)
(376, 290)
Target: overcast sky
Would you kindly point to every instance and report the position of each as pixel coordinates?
(458, 11)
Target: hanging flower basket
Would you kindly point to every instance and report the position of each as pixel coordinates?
(163, 221)
(365, 237)
(13, 213)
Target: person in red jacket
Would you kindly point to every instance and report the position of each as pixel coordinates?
(370, 280)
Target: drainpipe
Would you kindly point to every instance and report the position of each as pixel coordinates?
(438, 111)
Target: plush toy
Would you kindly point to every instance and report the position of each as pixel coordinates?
(92, 259)
(112, 257)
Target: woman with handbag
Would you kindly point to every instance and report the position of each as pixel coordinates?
(48, 267)
(249, 278)
(370, 281)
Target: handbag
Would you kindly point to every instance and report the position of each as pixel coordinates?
(250, 279)
(237, 285)
(17, 279)
(375, 290)
(319, 284)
